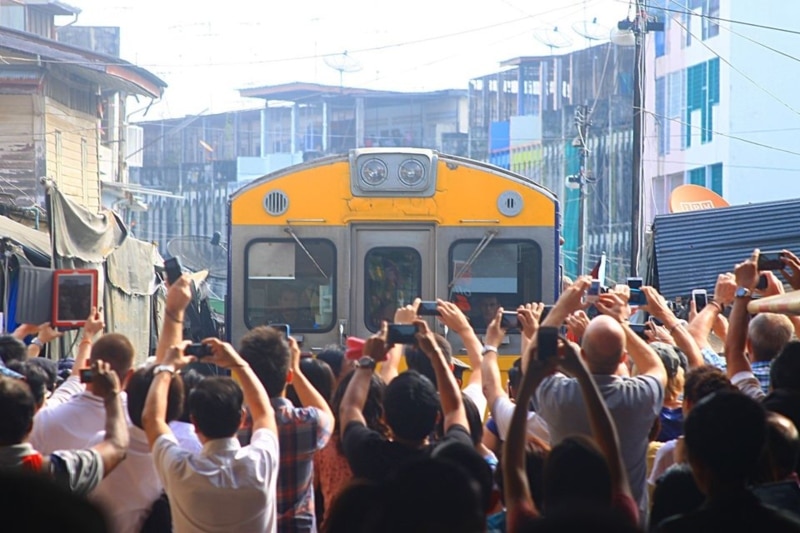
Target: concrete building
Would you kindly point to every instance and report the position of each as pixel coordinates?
(523, 118)
(708, 124)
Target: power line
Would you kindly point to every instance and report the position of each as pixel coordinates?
(720, 19)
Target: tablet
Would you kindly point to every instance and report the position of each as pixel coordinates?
(74, 295)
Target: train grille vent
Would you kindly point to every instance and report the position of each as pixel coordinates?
(276, 203)
(509, 203)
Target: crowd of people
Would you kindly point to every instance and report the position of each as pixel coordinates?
(690, 426)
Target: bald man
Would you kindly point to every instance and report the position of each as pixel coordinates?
(634, 402)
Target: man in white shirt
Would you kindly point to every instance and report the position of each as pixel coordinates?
(226, 487)
(128, 493)
(73, 423)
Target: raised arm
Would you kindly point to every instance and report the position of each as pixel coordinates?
(603, 429)
(570, 301)
(746, 279)
(528, 317)
(452, 317)
(308, 395)
(657, 306)
(352, 406)
(114, 447)
(449, 393)
(179, 294)
(94, 325)
(490, 370)
(44, 334)
(390, 367)
(646, 360)
(517, 493)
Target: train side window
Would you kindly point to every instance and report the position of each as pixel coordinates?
(506, 273)
(393, 279)
(286, 285)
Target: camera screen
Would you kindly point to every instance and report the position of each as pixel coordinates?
(76, 293)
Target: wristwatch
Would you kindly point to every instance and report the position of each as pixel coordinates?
(164, 368)
(742, 292)
(38, 342)
(488, 348)
(366, 362)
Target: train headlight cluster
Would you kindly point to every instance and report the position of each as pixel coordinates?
(385, 172)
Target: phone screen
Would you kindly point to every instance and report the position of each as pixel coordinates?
(547, 343)
(509, 320)
(700, 300)
(770, 260)
(402, 334)
(427, 309)
(283, 328)
(635, 283)
(173, 269)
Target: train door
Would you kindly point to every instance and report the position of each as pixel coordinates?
(391, 267)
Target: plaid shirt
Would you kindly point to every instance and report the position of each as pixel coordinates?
(761, 372)
(301, 433)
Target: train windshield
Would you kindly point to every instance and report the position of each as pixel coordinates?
(393, 279)
(507, 274)
(287, 284)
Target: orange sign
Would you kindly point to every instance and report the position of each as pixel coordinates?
(694, 198)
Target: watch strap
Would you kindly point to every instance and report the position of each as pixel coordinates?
(164, 368)
(366, 362)
(37, 342)
(488, 348)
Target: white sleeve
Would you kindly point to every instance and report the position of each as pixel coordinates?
(167, 457)
(502, 411)
(748, 383)
(665, 457)
(475, 393)
(71, 386)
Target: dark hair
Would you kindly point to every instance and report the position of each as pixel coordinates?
(704, 381)
(334, 356)
(268, 355)
(373, 407)
(785, 370)
(319, 374)
(356, 509)
(136, 390)
(35, 377)
(471, 461)
(18, 406)
(515, 374)
(49, 367)
(474, 419)
(411, 406)
(576, 472)
(191, 378)
(116, 350)
(12, 349)
(417, 360)
(675, 493)
(782, 449)
(216, 407)
(433, 495)
(726, 432)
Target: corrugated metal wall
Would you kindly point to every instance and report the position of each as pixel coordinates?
(693, 248)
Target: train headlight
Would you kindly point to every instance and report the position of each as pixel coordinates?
(374, 172)
(411, 172)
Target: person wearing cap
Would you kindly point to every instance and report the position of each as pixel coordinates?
(671, 418)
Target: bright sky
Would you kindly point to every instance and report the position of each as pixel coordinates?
(206, 51)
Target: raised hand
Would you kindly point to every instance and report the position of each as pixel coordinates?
(452, 317)
(746, 272)
(94, 323)
(577, 323)
(375, 346)
(529, 315)
(792, 273)
(105, 382)
(614, 306)
(407, 314)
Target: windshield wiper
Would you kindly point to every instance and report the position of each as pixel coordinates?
(291, 232)
(487, 238)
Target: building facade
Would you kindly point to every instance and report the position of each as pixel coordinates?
(721, 106)
(523, 118)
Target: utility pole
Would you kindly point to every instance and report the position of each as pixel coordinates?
(582, 125)
(640, 26)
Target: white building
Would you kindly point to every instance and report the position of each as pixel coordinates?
(706, 122)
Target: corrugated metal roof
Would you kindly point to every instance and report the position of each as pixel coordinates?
(693, 248)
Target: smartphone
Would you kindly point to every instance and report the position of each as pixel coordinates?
(594, 291)
(173, 269)
(546, 343)
(635, 283)
(639, 330)
(509, 320)
(428, 309)
(402, 334)
(763, 283)
(700, 297)
(86, 375)
(198, 349)
(283, 328)
(771, 260)
(637, 298)
(655, 321)
(545, 312)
